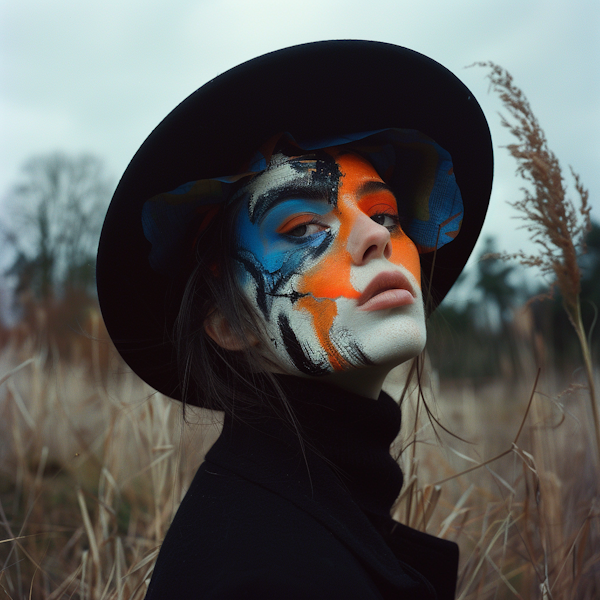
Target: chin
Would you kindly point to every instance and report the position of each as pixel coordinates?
(393, 348)
(387, 337)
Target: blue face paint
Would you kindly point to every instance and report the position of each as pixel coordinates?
(269, 257)
(272, 249)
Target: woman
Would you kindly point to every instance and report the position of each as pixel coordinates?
(269, 252)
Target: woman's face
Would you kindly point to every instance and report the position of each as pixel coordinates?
(324, 260)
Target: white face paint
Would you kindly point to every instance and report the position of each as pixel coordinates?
(325, 262)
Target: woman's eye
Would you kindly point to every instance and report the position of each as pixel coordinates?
(385, 220)
(305, 230)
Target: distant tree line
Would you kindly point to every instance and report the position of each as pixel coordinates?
(56, 212)
(505, 328)
(49, 230)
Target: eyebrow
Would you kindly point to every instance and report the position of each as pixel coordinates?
(372, 187)
(307, 190)
(294, 191)
(314, 180)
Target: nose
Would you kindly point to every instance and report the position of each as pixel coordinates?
(368, 240)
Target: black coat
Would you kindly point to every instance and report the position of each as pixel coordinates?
(263, 519)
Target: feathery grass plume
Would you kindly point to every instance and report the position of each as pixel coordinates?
(556, 224)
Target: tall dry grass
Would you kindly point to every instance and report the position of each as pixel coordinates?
(557, 223)
(92, 469)
(519, 495)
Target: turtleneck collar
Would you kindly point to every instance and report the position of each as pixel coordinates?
(353, 435)
(342, 475)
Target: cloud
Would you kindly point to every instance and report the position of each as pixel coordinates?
(99, 76)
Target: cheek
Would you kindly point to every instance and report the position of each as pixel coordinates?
(330, 277)
(322, 284)
(405, 254)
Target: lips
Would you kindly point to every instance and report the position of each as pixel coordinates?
(387, 290)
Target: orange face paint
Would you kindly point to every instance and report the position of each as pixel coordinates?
(331, 277)
(316, 232)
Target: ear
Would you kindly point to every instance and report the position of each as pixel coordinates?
(219, 330)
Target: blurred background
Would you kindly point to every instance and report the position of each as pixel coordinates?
(81, 86)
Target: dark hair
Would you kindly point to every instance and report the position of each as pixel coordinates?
(211, 376)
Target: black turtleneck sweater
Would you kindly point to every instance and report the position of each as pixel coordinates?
(270, 517)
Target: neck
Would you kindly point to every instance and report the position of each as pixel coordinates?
(364, 382)
(371, 381)
(353, 435)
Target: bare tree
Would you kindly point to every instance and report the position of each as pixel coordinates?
(56, 213)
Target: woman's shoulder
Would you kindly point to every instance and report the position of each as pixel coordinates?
(233, 538)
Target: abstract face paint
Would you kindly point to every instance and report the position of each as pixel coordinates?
(323, 258)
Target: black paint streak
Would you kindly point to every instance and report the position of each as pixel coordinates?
(327, 176)
(269, 285)
(357, 358)
(348, 349)
(318, 178)
(293, 296)
(294, 349)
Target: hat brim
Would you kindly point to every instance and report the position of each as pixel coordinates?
(312, 91)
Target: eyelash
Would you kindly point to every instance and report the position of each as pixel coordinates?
(395, 218)
(314, 221)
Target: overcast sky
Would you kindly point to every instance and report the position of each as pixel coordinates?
(99, 76)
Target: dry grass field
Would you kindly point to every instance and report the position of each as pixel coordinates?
(93, 464)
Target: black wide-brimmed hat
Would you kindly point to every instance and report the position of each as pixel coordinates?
(312, 91)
